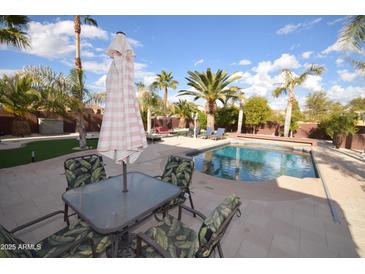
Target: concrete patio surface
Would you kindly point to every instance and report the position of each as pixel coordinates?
(286, 217)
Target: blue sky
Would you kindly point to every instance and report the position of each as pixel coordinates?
(255, 47)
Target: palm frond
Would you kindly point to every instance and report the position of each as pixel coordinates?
(353, 32)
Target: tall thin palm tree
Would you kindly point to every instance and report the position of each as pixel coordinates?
(211, 87)
(77, 76)
(164, 81)
(148, 99)
(240, 99)
(185, 110)
(78, 20)
(291, 80)
(13, 31)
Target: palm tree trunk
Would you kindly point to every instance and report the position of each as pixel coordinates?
(165, 98)
(240, 120)
(182, 122)
(148, 120)
(210, 120)
(77, 28)
(81, 129)
(288, 114)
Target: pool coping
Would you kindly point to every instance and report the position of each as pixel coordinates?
(331, 206)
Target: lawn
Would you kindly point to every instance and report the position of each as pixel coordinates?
(43, 150)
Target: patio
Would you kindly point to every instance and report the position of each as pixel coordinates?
(286, 218)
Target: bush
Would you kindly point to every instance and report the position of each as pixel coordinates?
(20, 128)
(227, 117)
(202, 119)
(257, 112)
(339, 124)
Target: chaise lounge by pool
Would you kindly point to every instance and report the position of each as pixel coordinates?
(254, 164)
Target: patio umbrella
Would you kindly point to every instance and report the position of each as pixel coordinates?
(122, 137)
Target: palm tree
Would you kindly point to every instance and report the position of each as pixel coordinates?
(353, 34)
(77, 27)
(240, 99)
(211, 87)
(184, 109)
(148, 99)
(291, 80)
(164, 81)
(52, 87)
(18, 97)
(12, 30)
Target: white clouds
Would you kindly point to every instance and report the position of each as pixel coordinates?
(244, 62)
(56, 40)
(339, 47)
(345, 94)
(289, 28)
(333, 22)
(307, 54)
(347, 76)
(313, 83)
(199, 62)
(135, 43)
(339, 61)
(97, 67)
(8, 72)
(285, 61)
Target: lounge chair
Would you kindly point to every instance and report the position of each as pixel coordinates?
(83, 170)
(171, 238)
(163, 130)
(207, 133)
(76, 240)
(178, 171)
(219, 134)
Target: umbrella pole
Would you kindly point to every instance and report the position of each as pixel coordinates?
(125, 185)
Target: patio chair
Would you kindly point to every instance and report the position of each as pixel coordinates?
(83, 170)
(178, 171)
(76, 240)
(207, 133)
(171, 238)
(219, 134)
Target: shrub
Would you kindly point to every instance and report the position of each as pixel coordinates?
(339, 124)
(20, 128)
(227, 117)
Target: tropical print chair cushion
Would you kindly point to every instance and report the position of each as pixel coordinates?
(178, 171)
(66, 237)
(84, 170)
(58, 243)
(213, 223)
(174, 237)
(10, 246)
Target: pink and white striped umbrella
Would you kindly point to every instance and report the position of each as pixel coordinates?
(122, 136)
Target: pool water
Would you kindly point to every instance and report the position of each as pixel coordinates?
(254, 164)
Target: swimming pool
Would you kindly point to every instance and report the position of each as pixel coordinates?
(254, 164)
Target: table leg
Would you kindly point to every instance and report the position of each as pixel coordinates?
(115, 245)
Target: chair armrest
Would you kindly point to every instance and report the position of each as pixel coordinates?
(201, 215)
(143, 237)
(21, 227)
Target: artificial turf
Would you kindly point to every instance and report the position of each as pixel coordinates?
(43, 150)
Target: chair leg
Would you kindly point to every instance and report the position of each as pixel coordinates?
(65, 216)
(191, 202)
(220, 251)
(179, 213)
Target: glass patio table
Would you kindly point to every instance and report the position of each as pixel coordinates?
(109, 210)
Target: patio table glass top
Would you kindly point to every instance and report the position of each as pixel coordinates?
(107, 209)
